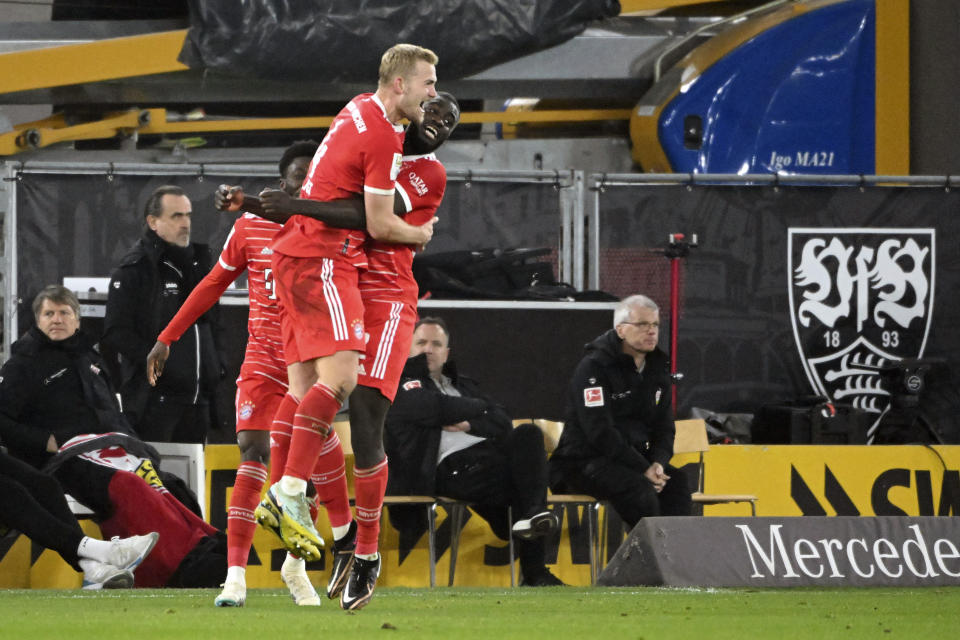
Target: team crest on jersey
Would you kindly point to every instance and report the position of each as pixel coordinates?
(412, 384)
(148, 472)
(593, 397)
(860, 299)
(357, 326)
(245, 410)
(395, 167)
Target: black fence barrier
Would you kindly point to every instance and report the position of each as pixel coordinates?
(795, 289)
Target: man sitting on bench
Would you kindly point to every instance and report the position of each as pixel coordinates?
(617, 440)
(443, 437)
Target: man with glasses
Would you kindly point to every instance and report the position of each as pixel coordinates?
(618, 434)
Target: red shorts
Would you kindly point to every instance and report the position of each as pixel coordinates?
(321, 310)
(390, 327)
(258, 396)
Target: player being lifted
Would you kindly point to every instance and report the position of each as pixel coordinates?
(389, 294)
(317, 268)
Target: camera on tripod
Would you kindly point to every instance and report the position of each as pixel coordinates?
(905, 421)
(904, 380)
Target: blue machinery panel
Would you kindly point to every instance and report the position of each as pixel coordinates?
(798, 97)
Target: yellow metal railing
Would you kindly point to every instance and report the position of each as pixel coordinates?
(53, 130)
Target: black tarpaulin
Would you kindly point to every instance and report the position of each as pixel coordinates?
(342, 40)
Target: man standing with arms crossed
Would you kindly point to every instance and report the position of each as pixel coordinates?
(316, 269)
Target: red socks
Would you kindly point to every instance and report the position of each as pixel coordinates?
(240, 521)
(330, 479)
(370, 485)
(312, 425)
(280, 431)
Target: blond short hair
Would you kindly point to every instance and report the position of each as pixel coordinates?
(401, 60)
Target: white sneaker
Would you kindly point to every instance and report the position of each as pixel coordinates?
(541, 524)
(234, 594)
(128, 553)
(294, 575)
(100, 575)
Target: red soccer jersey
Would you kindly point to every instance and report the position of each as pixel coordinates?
(247, 247)
(389, 274)
(361, 152)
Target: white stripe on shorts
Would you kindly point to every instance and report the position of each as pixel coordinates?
(386, 342)
(334, 305)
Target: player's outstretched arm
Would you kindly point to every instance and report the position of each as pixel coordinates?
(201, 299)
(232, 198)
(345, 213)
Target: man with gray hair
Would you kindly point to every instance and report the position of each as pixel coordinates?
(618, 434)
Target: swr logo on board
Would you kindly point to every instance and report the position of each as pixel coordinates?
(920, 481)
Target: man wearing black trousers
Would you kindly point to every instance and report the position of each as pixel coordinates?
(33, 503)
(444, 437)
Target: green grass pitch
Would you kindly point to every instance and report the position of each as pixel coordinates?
(634, 613)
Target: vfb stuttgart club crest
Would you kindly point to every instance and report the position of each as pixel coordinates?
(860, 299)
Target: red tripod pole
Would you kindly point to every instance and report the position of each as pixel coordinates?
(674, 321)
(677, 248)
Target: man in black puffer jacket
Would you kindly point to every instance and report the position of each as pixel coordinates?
(55, 387)
(146, 290)
(59, 413)
(618, 433)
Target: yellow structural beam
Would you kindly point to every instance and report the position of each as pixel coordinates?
(547, 115)
(109, 126)
(42, 133)
(892, 151)
(91, 61)
(159, 125)
(656, 6)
